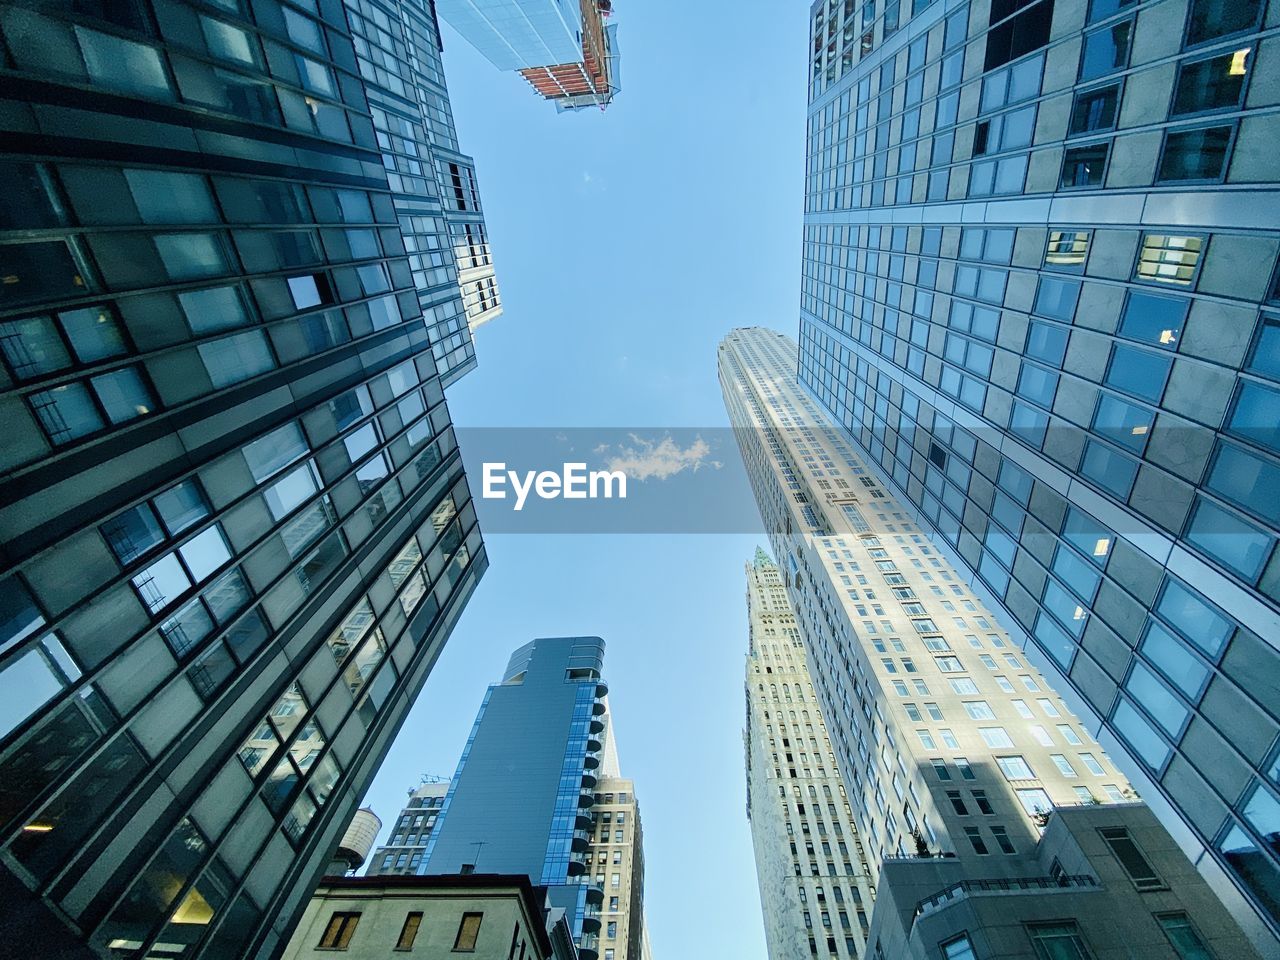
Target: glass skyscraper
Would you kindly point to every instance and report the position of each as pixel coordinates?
(522, 800)
(564, 48)
(1040, 296)
(235, 525)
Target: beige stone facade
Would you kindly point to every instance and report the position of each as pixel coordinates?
(485, 917)
(815, 885)
(616, 855)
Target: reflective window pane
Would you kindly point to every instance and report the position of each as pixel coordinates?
(162, 582)
(32, 346)
(1194, 154)
(133, 533)
(123, 395)
(270, 454)
(181, 506)
(1229, 539)
(67, 412)
(233, 359)
(205, 552)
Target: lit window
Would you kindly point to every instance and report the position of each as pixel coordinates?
(1166, 259)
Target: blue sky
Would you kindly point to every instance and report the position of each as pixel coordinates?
(627, 243)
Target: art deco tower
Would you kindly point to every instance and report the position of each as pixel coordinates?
(815, 886)
(967, 775)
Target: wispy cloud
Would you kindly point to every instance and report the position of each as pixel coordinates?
(661, 459)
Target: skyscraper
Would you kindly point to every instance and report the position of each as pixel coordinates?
(411, 832)
(815, 884)
(564, 48)
(235, 522)
(523, 799)
(1040, 295)
(618, 855)
(955, 752)
(433, 186)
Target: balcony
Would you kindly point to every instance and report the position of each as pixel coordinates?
(588, 946)
(584, 822)
(598, 709)
(588, 779)
(595, 895)
(591, 918)
(581, 839)
(597, 726)
(602, 689)
(591, 761)
(586, 799)
(576, 868)
(594, 745)
(981, 888)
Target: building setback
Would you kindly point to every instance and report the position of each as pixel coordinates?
(234, 520)
(521, 801)
(951, 745)
(564, 48)
(1040, 295)
(815, 885)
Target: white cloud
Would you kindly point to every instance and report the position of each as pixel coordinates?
(661, 459)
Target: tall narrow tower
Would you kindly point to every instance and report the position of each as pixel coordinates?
(537, 791)
(815, 884)
(966, 773)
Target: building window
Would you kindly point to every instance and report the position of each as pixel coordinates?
(1215, 83)
(1139, 373)
(1186, 941)
(1002, 839)
(468, 932)
(1169, 259)
(1197, 154)
(958, 948)
(1015, 768)
(409, 932)
(337, 935)
(1067, 250)
(37, 345)
(1106, 50)
(1095, 110)
(1252, 867)
(1211, 19)
(975, 839)
(1058, 941)
(1084, 166)
(1131, 858)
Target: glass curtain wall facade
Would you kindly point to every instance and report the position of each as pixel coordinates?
(815, 886)
(522, 798)
(433, 186)
(1040, 295)
(235, 524)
